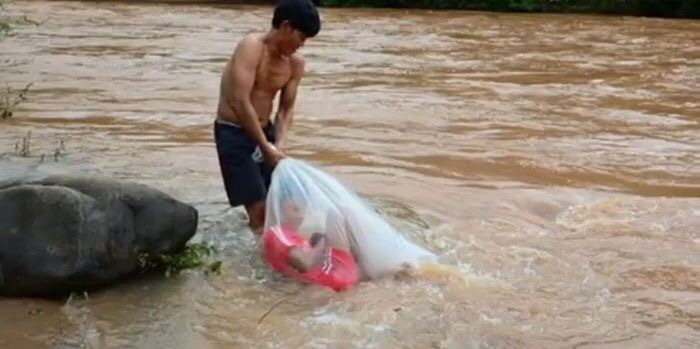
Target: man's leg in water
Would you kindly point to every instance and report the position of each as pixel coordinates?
(245, 180)
(256, 216)
(256, 210)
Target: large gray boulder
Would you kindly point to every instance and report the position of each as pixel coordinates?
(62, 234)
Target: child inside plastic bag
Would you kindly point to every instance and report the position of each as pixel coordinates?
(318, 231)
(312, 260)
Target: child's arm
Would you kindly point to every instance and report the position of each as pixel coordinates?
(303, 259)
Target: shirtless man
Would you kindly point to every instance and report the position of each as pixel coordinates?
(249, 144)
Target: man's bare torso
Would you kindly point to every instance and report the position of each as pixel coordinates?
(272, 74)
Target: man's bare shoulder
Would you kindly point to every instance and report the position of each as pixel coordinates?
(251, 44)
(297, 62)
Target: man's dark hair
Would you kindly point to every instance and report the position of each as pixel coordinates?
(301, 15)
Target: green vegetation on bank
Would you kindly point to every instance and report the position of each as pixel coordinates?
(4, 21)
(659, 8)
(193, 256)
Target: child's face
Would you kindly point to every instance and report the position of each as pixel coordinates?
(292, 213)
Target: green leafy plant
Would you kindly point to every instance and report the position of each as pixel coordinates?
(193, 256)
(7, 23)
(5, 26)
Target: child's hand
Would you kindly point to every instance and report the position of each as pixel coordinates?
(318, 238)
(303, 259)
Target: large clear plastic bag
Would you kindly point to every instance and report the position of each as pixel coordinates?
(306, 199)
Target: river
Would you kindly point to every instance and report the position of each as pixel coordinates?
(554, 160)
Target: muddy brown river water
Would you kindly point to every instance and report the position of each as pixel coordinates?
(554, 160)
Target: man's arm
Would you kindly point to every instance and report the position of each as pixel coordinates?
(243, 69)
(285, 112)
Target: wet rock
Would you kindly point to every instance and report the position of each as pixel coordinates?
(63, 233)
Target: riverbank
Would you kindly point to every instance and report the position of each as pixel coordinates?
(652, 8)
(645, 8)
